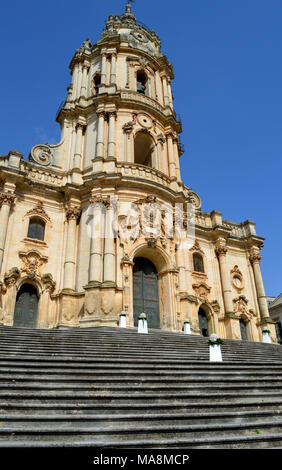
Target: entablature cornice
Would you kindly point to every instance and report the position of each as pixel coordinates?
(123, 100)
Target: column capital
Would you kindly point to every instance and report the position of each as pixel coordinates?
(169, 134)
(100, 113)
(112, 113)
(220, 247)
(7, 198)
(79, 125)
(72, 212)
(254, 255)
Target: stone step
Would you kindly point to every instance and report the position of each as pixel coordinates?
(265, 441)
(146, 378)
(53, 407)
(136, 363)
(196, 417)
(26, 385)
(146, 371)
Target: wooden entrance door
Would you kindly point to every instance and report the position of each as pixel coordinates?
(26, 307)
(243, 329)
(203, 322)
(145, 292)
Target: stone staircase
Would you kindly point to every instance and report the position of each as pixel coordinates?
(110, 387)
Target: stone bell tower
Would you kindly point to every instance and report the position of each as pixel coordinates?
(119, 107)
(120, 142)
(120, 137)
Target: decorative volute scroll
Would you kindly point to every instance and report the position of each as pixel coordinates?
(32, 261)
(195, 200)
(43, 154)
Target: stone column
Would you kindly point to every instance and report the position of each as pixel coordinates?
(109, 247)
(165, 90)
(100, 135)
(180, 261)
(78, 147)
(221, 251)
(6, 202)
(74, 82)
(170, 95)
(127, 129)
(161, 162)
(176, 157)
(95, 245)
(113, 69)
(103, 68)
(79, 80)
(111, 135)
(172, 169)
(255, 258)
(72, 214)
(84, 80)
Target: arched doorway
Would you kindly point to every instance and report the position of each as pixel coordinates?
(243, 328)
(203, 322)
(145, 292)
(26, 308)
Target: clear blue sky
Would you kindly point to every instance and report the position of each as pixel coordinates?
(228, 81)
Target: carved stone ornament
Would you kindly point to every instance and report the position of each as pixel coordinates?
(241, 305)
(202, 291)
(38, 210)
(126, 259)
(32, 261)
(7, 198)
(49, 282)
(145, 121)
(152, 242)
(147, 200)
(237, 278)
(72, 212)
(255, 256)
(128, 127)
(11, 277)
(195, 200)
(107, 302)
(196, 247)
(220, 247)
(215, 306)
(41, 154)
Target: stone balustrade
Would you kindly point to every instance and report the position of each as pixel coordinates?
(138, 97)
(142, 172)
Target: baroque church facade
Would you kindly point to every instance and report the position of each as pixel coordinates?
(120, 142)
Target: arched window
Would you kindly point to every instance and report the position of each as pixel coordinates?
(143, 149)
(36, 228)
(198, 263)
(96, 83)
(142, 82)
